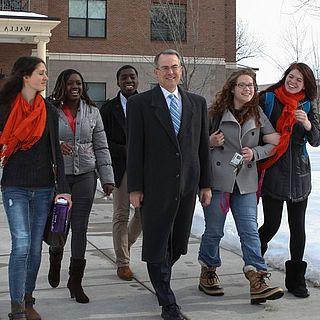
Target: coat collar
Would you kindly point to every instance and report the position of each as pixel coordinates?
(158, 102)
(118, 112)
(247, 126)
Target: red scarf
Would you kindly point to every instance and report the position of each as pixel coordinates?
(24, 127)
(284, 124)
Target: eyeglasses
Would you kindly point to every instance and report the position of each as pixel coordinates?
(175, 67)
(243, 85)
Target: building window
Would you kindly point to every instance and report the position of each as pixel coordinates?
(168, 22)
(87, 18)
(15, 5)
(97, 92)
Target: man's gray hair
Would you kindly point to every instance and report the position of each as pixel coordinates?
(167, 51)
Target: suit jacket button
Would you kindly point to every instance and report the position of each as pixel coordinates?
(177, 154)
(177, 175)
(218, 163)
(252, 133)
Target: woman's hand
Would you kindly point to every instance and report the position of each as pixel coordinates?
(216, 139)
(247, 154)
(302, 117)
(66, 148)
(108, 188)
(65, 196)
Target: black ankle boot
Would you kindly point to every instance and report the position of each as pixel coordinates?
(76, 270)
(295, 278)
(55, 266)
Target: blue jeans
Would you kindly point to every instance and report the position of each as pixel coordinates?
(244, 210)
(27, 211)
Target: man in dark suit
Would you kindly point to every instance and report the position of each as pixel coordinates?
(113, 114)
(168, 162)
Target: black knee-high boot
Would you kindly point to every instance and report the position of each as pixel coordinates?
(76, 270)
(295, 278)
(56, 255)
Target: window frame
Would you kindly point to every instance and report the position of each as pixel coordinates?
(161, 37)
(87, 19)
(105, 91)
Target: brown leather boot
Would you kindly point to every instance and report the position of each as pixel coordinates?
(125, 273)
(31, 313)
(17, 311)
(209, 282)
(260, 291)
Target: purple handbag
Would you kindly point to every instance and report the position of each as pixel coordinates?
(60, 216)
(57, 226)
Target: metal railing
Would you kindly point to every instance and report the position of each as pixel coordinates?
(15, 5)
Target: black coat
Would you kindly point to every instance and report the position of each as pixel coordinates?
(290, 177)
(168, 170)
(114, 122)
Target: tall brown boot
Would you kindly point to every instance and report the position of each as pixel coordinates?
(56, 255)
(260, 291)
(17, 311)
(76, 270)
(31, 313)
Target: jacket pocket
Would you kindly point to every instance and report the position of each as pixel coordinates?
(303, 165)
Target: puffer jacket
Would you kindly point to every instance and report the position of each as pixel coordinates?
(89, 143)
(290, 177)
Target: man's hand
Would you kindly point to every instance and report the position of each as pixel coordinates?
(108, 188)
(205, 197)
(136, 198)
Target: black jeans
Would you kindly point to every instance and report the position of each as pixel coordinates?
(83, 188)
(272, 210)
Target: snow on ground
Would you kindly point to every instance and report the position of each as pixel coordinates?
(278, 251)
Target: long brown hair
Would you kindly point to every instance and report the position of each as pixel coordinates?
(13, 84)
(224, 99)
(309, 80)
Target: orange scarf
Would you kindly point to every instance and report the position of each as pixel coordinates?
(284, 124)
(24, 126)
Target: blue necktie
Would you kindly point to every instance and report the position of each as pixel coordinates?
(175, 113)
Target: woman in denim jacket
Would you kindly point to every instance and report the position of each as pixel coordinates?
(85, 152)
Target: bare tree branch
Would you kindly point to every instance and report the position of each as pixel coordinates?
(310, 7)
(247, 45)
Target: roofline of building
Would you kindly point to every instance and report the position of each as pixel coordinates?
(28, 17)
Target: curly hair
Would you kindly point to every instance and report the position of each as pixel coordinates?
(59, 93)
(13, 84)
(309, 80)
(224, 99)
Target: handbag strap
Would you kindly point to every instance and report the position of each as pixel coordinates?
(53, 151)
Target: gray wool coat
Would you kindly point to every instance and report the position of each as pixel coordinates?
(89, 143)
(237, 137)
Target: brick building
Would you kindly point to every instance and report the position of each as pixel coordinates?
(96, 37)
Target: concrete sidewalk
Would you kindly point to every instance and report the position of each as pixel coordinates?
(112, 298)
